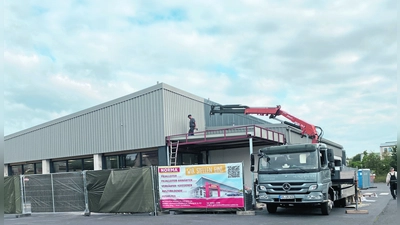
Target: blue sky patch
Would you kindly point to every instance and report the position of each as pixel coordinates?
(224, 70)
(38, 10)
(45, 52)
(175, 15)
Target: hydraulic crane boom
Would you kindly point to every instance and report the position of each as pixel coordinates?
(306, 128)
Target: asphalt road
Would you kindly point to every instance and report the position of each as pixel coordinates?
(380, 208)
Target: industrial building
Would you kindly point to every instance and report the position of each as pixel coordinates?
(141, 129)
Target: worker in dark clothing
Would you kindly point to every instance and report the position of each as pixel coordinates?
(192, 125)
(391, 180)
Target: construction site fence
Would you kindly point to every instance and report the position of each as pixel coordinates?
(133, 190)
(104, 191)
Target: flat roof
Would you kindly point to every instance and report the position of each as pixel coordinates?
(230, 137)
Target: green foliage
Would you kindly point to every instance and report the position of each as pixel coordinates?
(374, 162)
(355, 164)
(393, 162)
(378, 165)
(357, 158)
(380, 179)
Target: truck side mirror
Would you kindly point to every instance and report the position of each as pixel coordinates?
(331, 156)
(252, 163)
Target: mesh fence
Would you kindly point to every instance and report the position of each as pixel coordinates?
(61, 192)
(68, 192)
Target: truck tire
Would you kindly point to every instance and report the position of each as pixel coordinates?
(341, 202)
(326, 207)
(272, 208)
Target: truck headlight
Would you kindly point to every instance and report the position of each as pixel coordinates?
(262, 188)
(313, 187)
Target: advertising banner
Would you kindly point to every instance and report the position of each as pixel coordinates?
(201, 186)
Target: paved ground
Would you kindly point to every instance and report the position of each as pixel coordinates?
(390, 214)
(381, 210)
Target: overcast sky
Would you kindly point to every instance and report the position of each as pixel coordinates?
(330, 63)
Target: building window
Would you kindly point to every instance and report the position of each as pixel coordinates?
(29, 168)
(74, 165)
(190, 159)
(60, 166)
(132, 160)
(16, 170)
(150, 158)
(88, 164)
(112, 162)
(38, 168)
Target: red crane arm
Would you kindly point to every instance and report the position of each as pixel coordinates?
(272, 112)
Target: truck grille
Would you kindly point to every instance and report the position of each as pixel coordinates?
(287, 187)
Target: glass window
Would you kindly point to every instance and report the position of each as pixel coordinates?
(29, 168)
(289, 162)
(324, 159)
(38, 168)
(60, 166)
(74, 165)
(16, 170)
(88, 164)
(190, 159)
(132, 160)
(150, 158)
(112, 162)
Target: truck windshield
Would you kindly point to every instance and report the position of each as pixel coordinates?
(293, 161)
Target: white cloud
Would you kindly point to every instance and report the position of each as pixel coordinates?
(329, 63)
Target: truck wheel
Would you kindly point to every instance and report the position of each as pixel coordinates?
(272, 208)
(326, 207)
(341, 202)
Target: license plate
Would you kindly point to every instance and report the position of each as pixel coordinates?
(286, 196)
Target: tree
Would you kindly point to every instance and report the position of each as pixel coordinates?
(355, 162)
(357, 158)
(373, 161)
(386, 161)
(393, 162)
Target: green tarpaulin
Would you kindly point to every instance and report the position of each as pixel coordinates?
(120, 190)
(12, 195)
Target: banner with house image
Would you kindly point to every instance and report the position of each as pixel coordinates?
(201, 186)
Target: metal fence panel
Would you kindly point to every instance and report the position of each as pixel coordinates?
(61, 192)
(38, 191)
(68, 192)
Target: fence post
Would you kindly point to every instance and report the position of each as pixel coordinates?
(21, 180)
(85, 194)
(52, 192)
(154, 195)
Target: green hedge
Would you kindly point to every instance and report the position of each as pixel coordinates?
(380, 179)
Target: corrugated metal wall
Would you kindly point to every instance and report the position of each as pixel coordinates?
(136, 121)
(132, 122)
(177, 106)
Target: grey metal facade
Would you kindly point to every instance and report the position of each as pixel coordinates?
(140, 120)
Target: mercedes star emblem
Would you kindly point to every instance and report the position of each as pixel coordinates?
(286, 186)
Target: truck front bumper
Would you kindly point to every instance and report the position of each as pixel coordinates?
(313, 197)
